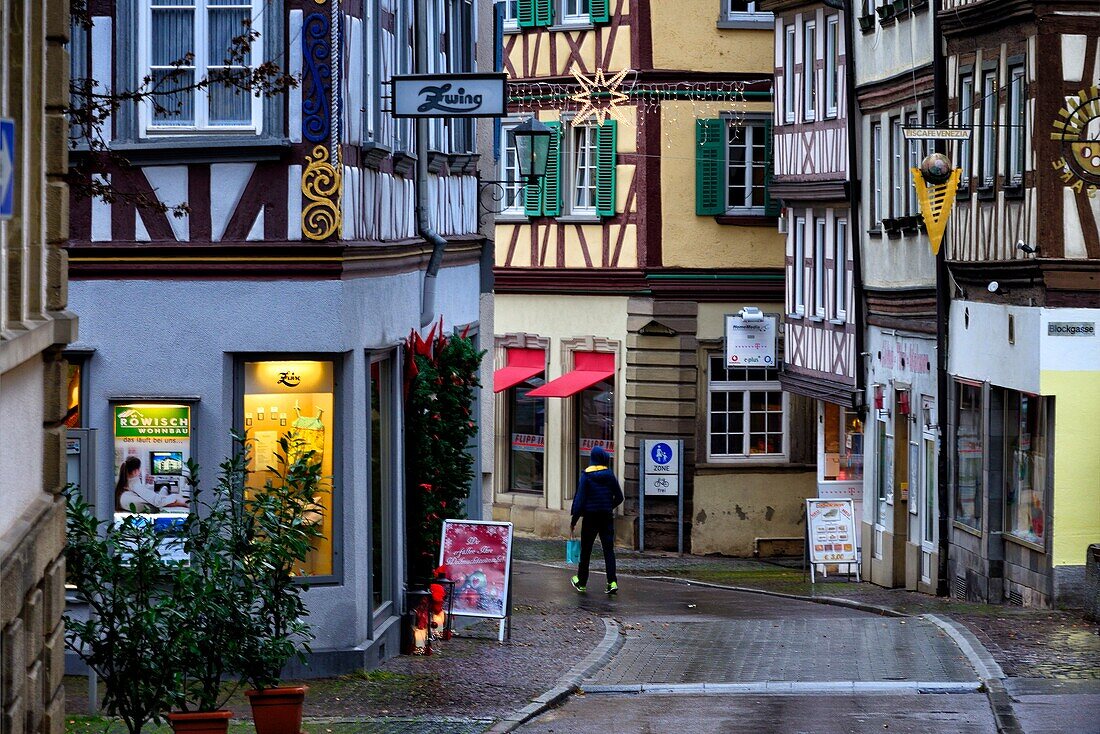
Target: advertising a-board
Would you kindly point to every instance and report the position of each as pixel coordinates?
(832, 531)
(477, 556)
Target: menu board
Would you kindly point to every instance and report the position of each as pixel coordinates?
(832, 530)
(477, 556)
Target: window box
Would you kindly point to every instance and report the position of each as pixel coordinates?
(986, 193)
(373, 154)
(910, 224)
(1013, 192)
(866, 23)
(900, 7)
(918, 5)
(437, 161)
(885, 14)
(404, 164)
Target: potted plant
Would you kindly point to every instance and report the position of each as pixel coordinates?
(211, 599)
(126, 622)
(283, 519)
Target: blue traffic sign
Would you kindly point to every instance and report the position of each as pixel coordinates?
(7, 168)
(661, 453)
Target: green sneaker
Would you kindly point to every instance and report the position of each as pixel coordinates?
(612, 588)
(576, 583)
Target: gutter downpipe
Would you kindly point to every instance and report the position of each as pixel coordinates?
(423, 203)
(939, 100)
(854, 197)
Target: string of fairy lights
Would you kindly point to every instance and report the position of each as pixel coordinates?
(622, 97)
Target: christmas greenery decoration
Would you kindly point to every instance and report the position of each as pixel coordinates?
(441, 376)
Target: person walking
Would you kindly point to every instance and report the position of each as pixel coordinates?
(598, 494)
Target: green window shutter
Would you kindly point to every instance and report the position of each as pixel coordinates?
(771, 206)
(599, 11)
(544, 12)
(709, 161)
(606, 159)
(532, 199)
(551, 184)
(525, 13)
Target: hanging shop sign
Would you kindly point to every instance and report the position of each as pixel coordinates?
(450, 95)
(152, 447)
(750, 343)
(832, 530)
(477, 556)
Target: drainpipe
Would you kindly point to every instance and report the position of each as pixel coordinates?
(943, 296)
(423, 200)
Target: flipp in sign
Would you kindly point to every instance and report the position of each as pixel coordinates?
(152, 421)
(750, 343)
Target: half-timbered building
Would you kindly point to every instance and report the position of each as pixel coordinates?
(813, 178)
(892, 55)
(616, 274)
(277, 298)
(1024, 260)
(35, 325)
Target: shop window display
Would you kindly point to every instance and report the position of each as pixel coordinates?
(969, 451)
(843, 444)
(1025, 466)
(293, 399)
(381, 445)
(527, 434)
(595, 417)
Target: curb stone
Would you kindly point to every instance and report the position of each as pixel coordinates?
(567, 684)
(991, 674)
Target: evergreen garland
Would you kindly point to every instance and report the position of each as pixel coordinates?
(441, 376)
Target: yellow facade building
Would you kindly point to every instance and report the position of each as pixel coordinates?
(619, 274)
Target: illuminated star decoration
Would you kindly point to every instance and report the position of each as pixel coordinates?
(599, 96)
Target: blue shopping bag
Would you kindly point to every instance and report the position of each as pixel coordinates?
(573, 550)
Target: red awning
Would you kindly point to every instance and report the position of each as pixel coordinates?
(523, 364)
(590, 368)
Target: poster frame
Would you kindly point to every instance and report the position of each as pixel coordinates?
(507, 609)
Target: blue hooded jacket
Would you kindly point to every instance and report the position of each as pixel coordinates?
(598, 490)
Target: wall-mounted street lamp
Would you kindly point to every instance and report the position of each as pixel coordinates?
(531, 139)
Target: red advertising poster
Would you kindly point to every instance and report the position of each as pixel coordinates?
(477, 555)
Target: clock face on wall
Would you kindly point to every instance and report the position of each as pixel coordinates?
(1077, 128)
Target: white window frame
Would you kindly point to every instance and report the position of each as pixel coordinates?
(370, 71)
(577, 15)
(752, 126)
(750, 15)
(966, 121)
(513, 184)
(820, 233)
(832, 66)
(809, 76)
(913, 158)
(897, 167)
(789, 88)
(581, 172)
(745, 388)
(840, 269)
(1016, 113)
(799, 266)
(200, 66)
(989, 129)
(510, 15)
(875, 175)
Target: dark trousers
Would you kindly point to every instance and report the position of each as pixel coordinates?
(603, 525)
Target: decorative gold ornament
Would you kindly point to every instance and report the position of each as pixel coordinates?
(936, 201)
(322, 184)
(599, 96)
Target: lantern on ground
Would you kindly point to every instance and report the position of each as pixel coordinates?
(442, 590)
(417, 623)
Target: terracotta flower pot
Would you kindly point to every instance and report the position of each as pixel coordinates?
(200, 722)
(278, 710)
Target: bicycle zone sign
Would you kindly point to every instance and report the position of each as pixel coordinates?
(661, 475)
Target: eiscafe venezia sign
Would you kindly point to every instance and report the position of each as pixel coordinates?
(450, 95)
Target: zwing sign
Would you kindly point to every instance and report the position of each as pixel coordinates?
(750, 343)
(450, 95)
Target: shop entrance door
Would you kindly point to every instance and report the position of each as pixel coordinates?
(900, 522)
